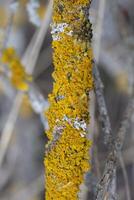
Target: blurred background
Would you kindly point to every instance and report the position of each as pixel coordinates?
(22, 133)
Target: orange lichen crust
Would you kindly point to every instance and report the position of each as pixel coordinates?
(68, 159)
(18, 76)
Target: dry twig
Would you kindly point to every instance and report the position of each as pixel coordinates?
(111, 164)
(104, 118)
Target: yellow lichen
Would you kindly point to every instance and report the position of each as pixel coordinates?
(68, 159)
(18, 76)
(26, 109)
(41, 11)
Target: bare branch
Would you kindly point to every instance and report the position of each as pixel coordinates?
(104, 118)
(111, 164)
(124, 125)
(108, 175)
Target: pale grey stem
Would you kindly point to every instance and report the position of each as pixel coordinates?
(124, 125)
(98, 30)
(107, 179)
(33, 56)
(38, 103)
(7, 87)
(29, 48)
(111, 163)
(8, 129)
(92, 114)
(104, 117)
(98, 83)
(96, 160)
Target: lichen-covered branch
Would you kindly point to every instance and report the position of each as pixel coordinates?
(67, 157)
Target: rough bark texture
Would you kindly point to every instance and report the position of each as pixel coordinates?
(67, 158)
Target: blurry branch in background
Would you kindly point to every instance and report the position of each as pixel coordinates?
(98, 30)
(104, 118)
(44, 61)
(29, 62)
(9, 126)
(8, 89)
(111, 58)
(114, 155)
(121, 135)
(124, 124)
(37, 41)
(106, 188)
(38, 103)
(9, 25)
(103, 188)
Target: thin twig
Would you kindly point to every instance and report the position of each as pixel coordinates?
(111, 163)
(38, 103)
(106, 180)
(92, 114)
(96, 161)
(104, 117)
(33, 56)
(124, 125)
